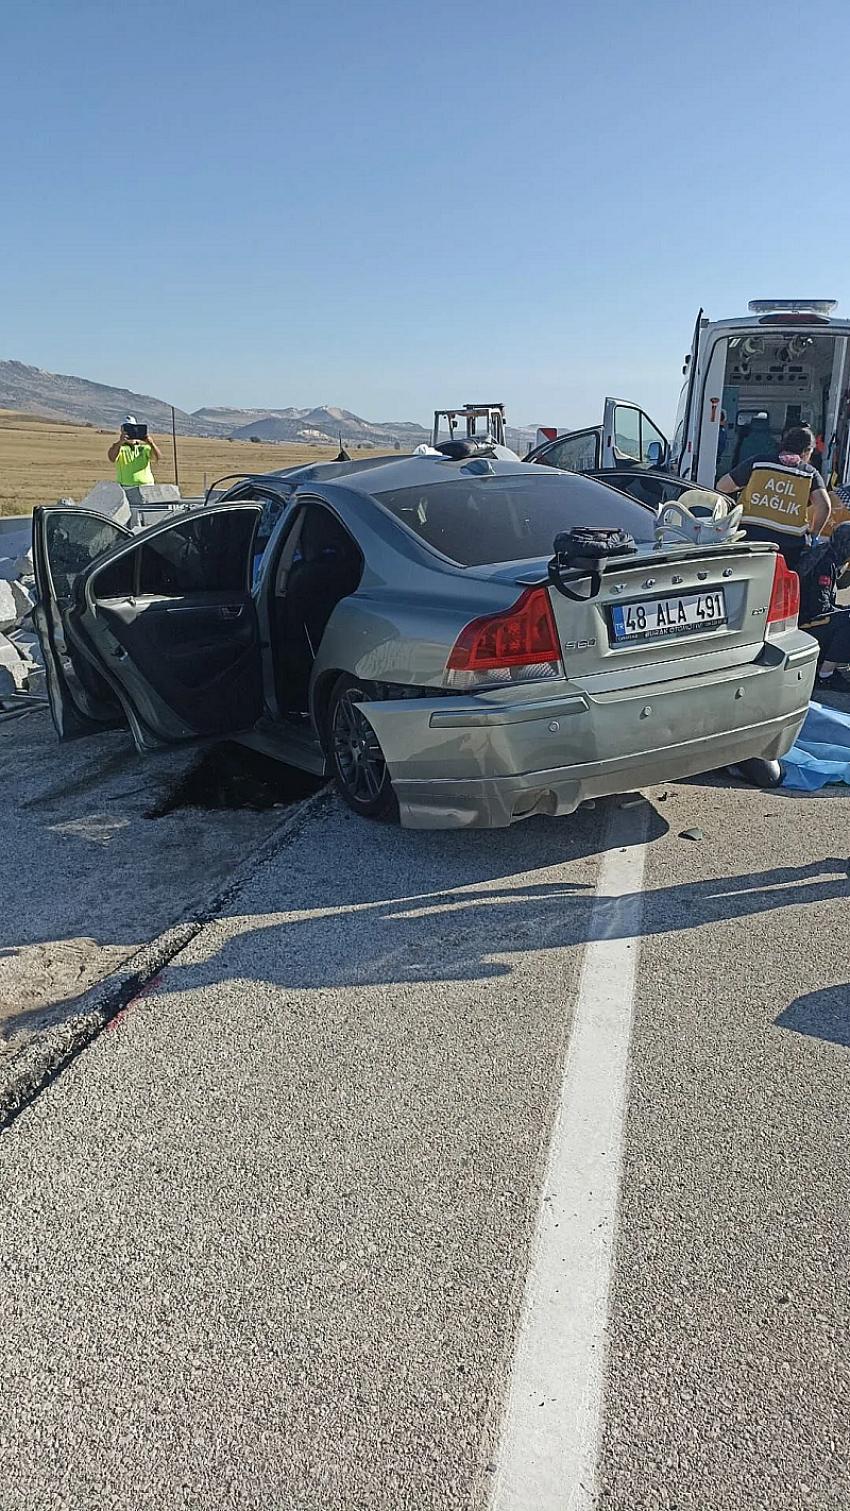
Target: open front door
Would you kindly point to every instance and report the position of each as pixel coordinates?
(168, 620)
(66, 542)
(630, 438)
(681, 452)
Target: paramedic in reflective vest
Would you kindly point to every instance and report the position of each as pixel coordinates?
(784, 500)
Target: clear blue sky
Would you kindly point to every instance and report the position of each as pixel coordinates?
(388, 206)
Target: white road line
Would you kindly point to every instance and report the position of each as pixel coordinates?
(553, 1421)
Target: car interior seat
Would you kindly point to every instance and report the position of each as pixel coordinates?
(646, 489)
(327, 568)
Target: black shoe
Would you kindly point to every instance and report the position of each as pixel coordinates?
(759, 773)
(837, 683)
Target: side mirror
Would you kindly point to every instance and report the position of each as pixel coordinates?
(656, 454)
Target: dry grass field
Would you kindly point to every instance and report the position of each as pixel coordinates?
(42, 460)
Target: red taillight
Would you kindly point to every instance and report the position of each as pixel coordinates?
(524, 635)
(784, 598)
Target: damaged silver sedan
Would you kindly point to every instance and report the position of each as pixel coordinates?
(408, 631)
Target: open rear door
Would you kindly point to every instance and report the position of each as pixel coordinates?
(66, 543)
(168, 620)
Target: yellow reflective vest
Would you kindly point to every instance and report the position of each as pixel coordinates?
(133, 465)
(777, 497)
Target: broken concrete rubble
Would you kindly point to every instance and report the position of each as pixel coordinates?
(21, 666)
(8, 608)
(21, 662)
(28, 643)
(16, 667)
(23, 600)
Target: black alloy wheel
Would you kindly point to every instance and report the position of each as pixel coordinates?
(359, 768)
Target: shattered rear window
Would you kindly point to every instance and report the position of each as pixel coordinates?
(73, 542)
(483, 520)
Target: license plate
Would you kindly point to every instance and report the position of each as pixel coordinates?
(683, 614)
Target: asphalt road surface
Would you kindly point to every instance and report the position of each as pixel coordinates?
(88, 876)
(500, 1171)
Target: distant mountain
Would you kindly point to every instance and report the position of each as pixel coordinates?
(58, 396)
(327, 423)
(233, 418)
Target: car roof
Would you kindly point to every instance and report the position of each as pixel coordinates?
(417, 471)
(322, 471)
(383, 474)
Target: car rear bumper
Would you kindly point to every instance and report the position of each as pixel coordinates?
(488, 761)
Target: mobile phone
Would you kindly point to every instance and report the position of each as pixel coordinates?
(136, 432)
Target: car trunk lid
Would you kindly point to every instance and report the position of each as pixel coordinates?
(660, 615)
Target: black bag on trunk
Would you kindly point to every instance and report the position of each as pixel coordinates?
(584, 550)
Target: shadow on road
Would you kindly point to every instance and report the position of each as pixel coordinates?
(386, 906)
(451, 928)
(824, 1014)
(464, 933)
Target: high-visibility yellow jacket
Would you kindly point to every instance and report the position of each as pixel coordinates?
(777, 498)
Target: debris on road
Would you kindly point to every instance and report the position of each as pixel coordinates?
(21, 665)
(21, 662)
(692, 834)
(94, 877)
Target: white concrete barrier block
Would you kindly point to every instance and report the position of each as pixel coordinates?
(109, 499)
(13, 662)
(24, 601)
(8, 608)
(158, 493)
(24, 564)
(28, 645)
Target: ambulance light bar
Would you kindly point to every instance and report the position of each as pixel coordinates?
(774, 306)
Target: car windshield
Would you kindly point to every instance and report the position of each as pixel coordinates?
(511, 517)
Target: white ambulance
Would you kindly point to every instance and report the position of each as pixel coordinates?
(747, 380)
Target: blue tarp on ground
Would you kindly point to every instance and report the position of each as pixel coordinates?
(822, 751)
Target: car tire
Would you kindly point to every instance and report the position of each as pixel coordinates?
(357, 762)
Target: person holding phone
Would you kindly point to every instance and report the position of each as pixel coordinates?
(132, 454)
